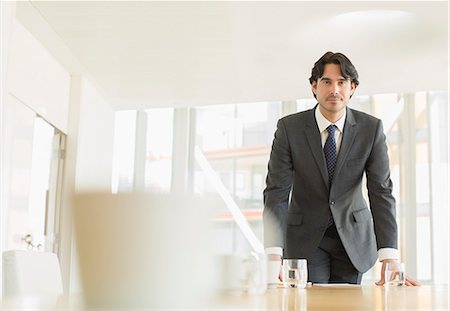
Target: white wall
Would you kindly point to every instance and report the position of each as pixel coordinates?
(36, 80)
(7, 12)
(94, 153)
(32, 83)
(95, 141)
(88, 164)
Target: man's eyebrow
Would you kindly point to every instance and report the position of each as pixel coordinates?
(329, 79)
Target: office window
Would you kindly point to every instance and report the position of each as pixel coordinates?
(306, 104)
(124, 151)
(142, 159)
(236, 140)
(158, 152)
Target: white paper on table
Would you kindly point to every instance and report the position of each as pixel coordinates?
(336, 284)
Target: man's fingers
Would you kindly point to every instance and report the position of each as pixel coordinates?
(411, 282)
(280, 276)
(381, 281)
(408, 282)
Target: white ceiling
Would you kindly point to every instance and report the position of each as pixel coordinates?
(143, 54)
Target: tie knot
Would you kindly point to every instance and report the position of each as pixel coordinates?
(331, 129)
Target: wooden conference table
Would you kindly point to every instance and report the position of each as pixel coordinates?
(337, 297)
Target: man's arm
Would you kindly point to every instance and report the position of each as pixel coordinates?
(382, 204)
(379, 186)
(278, 187)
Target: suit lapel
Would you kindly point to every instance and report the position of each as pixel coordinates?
(315, 143)
(347, 141)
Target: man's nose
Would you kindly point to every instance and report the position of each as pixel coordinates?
(334, 89)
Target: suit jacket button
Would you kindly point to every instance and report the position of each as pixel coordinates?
(332, 203)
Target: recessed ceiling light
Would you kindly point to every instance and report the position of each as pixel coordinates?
(378, 17)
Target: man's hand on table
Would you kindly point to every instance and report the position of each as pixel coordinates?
(382, 281)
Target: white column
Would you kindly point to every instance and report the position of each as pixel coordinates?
(440, 214)
(66, 250)
(288, 107)
(180, 149)
(408, 214)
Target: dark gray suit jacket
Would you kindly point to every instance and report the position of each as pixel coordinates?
(297, 220)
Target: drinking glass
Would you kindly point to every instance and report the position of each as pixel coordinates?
(395, 274)
(295, 273)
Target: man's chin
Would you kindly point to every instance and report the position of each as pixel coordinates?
(335, 105)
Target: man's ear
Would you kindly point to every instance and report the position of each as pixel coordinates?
(353, 89)
(314, 87)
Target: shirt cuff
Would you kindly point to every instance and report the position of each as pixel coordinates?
(388, 253)
(274, 251)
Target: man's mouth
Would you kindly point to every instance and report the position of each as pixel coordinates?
(333, 98)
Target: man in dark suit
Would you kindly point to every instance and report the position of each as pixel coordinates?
(313, 202)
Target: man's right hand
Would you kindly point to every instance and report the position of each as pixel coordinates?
(276, 257)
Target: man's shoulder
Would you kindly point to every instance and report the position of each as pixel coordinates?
(298, 116)
(360, 116)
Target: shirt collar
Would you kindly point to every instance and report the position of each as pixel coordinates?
(323, 123)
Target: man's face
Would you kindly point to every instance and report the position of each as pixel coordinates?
(333, 92)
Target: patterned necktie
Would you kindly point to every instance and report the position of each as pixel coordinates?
(330, 156)
(330, 152)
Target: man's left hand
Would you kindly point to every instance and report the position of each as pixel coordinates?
(408, 281)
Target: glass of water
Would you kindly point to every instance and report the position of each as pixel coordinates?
(295, 273)
(394, 274)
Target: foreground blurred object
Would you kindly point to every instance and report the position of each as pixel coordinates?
(138, 250)
(242, 274)
(28, 273)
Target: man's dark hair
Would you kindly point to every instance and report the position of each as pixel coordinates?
(348, 71)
